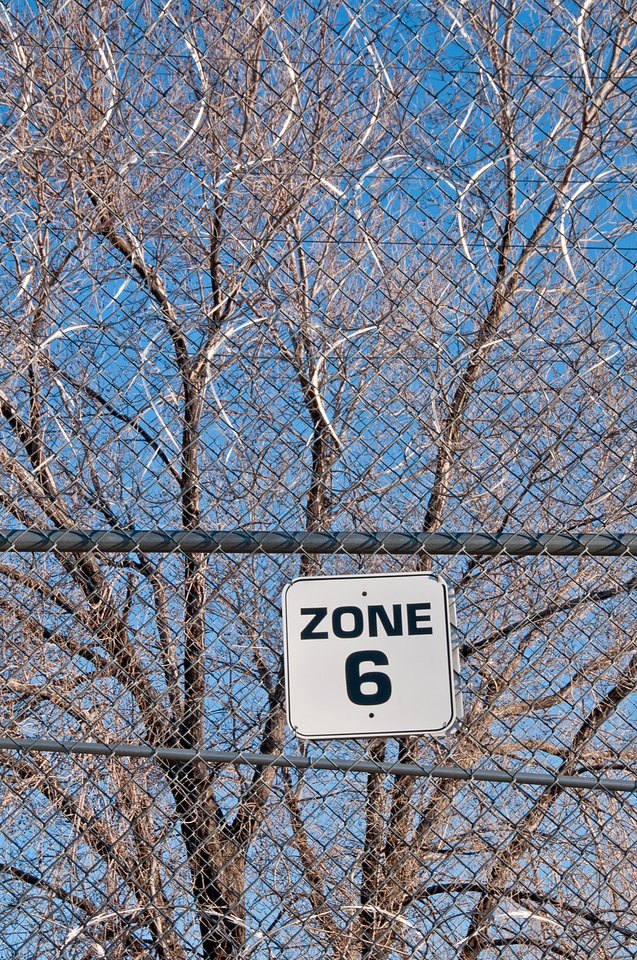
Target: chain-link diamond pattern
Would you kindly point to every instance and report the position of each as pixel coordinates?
(315, 267)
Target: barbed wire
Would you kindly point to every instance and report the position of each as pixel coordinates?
(311, 292)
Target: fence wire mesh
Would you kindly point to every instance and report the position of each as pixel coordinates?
(292, 267)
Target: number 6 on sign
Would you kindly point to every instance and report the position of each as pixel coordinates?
(355, 680)
(361, 642)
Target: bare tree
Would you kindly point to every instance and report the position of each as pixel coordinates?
(283, 268)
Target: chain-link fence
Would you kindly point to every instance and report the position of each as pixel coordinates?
(345, 280)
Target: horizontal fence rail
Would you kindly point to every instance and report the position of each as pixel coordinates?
(317, 290)
(604, 544)
(222, 757)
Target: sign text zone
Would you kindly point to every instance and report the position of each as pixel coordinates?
(368, 656)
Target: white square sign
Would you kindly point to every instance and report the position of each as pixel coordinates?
(369, 656)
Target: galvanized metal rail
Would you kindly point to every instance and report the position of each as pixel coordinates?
(601, 544)
(223, 757)
(345, 542)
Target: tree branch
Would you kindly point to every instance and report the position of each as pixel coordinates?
(510, 854)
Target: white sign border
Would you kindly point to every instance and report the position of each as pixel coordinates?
(456, 710)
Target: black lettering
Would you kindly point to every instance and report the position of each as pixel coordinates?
(337, 622)
(354, 679)
(392, 629)
(415, 618)
(309, 630)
